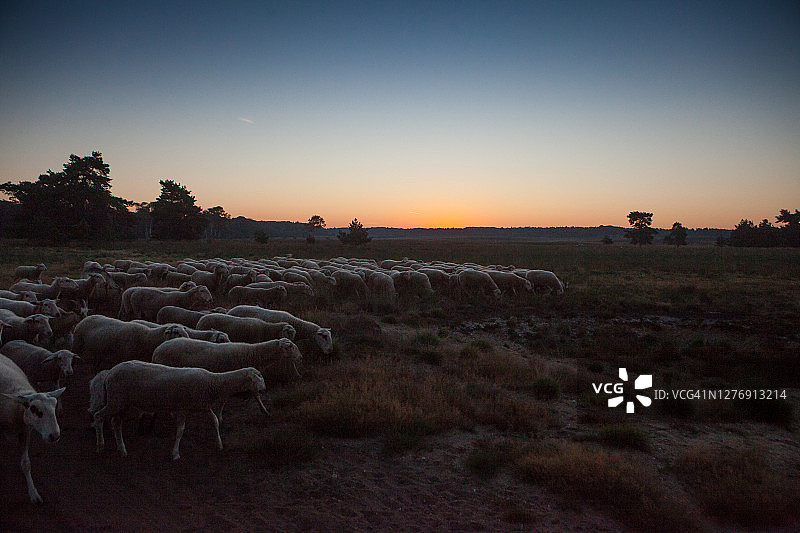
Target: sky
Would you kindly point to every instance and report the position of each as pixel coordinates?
(416, 114)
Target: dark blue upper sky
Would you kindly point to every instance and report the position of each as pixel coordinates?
(536, 113)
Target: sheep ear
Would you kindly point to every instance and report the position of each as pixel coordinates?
(285, 343)
(56, 393)
(19, 398)
(49, 358)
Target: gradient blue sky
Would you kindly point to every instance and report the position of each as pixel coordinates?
(416, 113)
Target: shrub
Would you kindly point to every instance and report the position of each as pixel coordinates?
(624, 436)
(487, 457)
(261, 237)
(545, 388)
(739, 487)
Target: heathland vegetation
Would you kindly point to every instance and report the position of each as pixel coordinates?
(497, 398)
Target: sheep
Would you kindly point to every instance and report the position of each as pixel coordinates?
(144, 302)
(63, 327)
(258, 296)
(171, 314)
(157, 388)
(126, 280)
(103, 342)
(438, 279)
(411, 284)
(51, 291)
(30, 272)
(544, 280)
(277, 358)
(97, 399)
(208, 335)
(22, 409)
(509, 282)
(40, 364)
(175, 279)
(239, 280)
(25, 309)
(304, 329)
(83, 288)
(212, 280)
(476, 282)
(245, 329)
(382, 294)
(293, 290)
(349, 283)
(27, 328)
(186, 268)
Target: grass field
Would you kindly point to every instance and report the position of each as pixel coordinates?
(519, 374)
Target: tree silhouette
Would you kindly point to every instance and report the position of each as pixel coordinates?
(641, 232)
(790, 232)
(216, 220)
(75, 203)
(677, 235)
(356, 235)
(175, 215)
(313, 223)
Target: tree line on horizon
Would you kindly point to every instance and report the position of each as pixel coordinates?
(77, 204)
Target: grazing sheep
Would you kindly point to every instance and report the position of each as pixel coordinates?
(381, 291)
(212, 280)
(145, 302)
(103, 342)
(126, 280)
(157, 388)
(510, 283)
(293, 290)
(276, 358)
(171, 314)
(239, 280)
(26, 329)
(544, 280)
(477, 283)
(349, 284)
(24, 309)
(270, 297)
(22, 409)
(208, 335)
(304, 329)
(411, 284)
(438, 279)
(245, 329)
(40, 365)
(63, 327)
(51, 291)
(175, 279)
(30, 272)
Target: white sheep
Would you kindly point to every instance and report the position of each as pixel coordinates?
(145, 302)
(24, 328)
(510, 283)
(22, 409)
(23, 309)
(30, 272)
(544, 280)
(40, 364)
(171, 314)
(263, 297)
(477, 283)
(411, 284)
(304, 329)
(277, 358)
(382, 294)
(209, 335)
(158, 388)
(104, 342)
(51, 291)
(293, 290)
(246, 329)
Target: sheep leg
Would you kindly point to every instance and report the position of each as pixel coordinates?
(116, 424)
(99, 438)
(181, 419)
(25, 465)
(216, 428)
(221, 407)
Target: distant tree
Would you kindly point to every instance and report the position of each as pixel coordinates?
(766, 234)
(313, 223)
(145, 220)
(677, 235)
(75, 203)
(175, 215)
(607, 240)
(641, 232)
(216, 220)
(356, 235)
(744, 234)
(790, 232)
(261, 236)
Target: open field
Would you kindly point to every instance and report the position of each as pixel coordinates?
(452, 415)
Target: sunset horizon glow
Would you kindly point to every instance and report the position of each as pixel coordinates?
(417, 114)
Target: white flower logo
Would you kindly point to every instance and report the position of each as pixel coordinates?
(645, 381)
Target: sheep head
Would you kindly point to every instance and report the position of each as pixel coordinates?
(64, 358)
(291, 354)
(324, 340)
(288, 332)
(40, 412)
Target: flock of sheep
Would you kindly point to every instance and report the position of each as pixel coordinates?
(156, 344)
